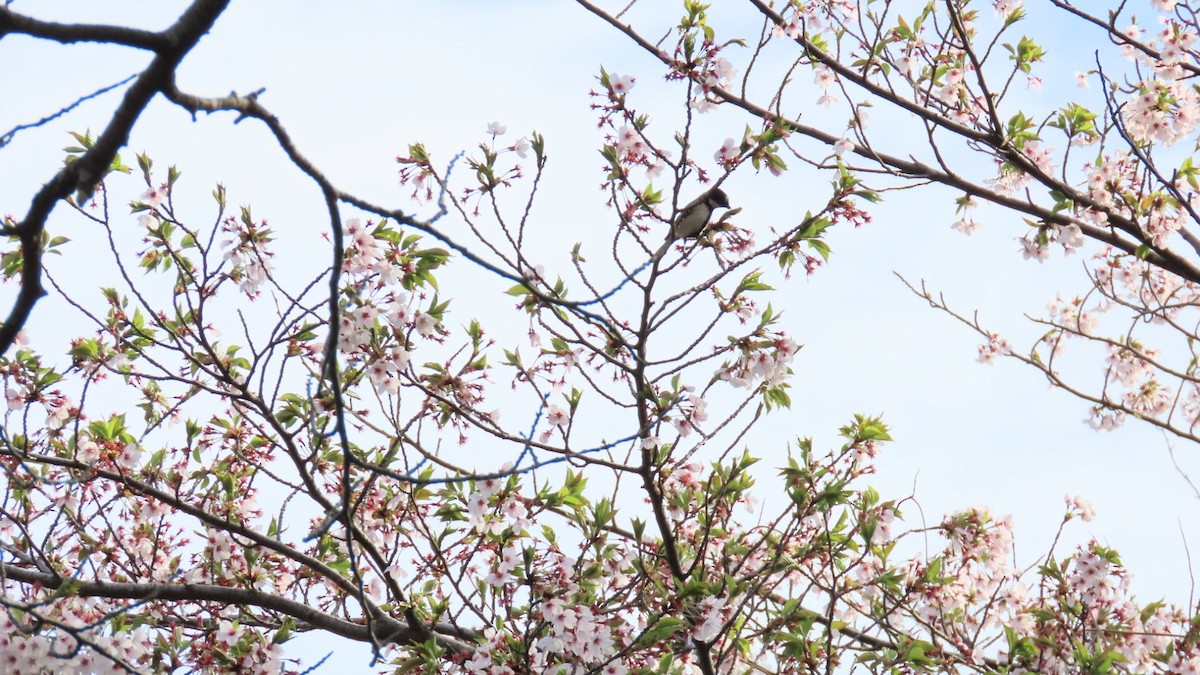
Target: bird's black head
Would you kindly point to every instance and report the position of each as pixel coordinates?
(717, 198)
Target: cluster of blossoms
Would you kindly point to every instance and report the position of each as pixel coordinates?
(976, 592)
(1166, 108)
(1009, 179)
(517, 567)
(1079, 506)
(1103, 418)
(629, 143)
(227, 558)
(1116, 186)
(1071, 318)
(1073, 315)
(357, 339)
(372, 260)
(375, 326)
(24, 376)
(247, 252)
(684, 481)
(1006, 8)
(692, 411)
(1136, 383)
(975, 568)
(633, 150)
(1108, 180)
(24, 652)
(1124, 279)
(714, 613)
(812, 18)
(954, 88)
(1131, 365)
(1162, 219)
(729, 153)
(149, 204)
(996, 346)
(491, 511)
(1036, 244)
(1150, 399)
(575, 631)
(255, 654)
(59, 410)
(966, 223)
(824, 78)
(418, 171)
(761, 362)
(719, 72)
(1105, 617)
(1041, 156)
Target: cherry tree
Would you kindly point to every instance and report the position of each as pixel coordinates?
(1120, 176)
(256, 433)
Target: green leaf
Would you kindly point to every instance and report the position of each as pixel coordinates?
(659, 633)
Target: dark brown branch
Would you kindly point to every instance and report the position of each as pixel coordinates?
(68, 33)
(82, 175)
(393, 631)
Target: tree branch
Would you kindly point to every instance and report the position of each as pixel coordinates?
(12, 23)
(393, 631)
(82, 175)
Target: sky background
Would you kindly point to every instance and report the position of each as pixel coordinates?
(355, 83)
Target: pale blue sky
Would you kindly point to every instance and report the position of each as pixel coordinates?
(356, 82)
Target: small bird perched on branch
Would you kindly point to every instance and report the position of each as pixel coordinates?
(694, 217)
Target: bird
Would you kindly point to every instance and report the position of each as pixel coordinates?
(694, 217)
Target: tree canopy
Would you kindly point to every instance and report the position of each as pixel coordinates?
(473, 436)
